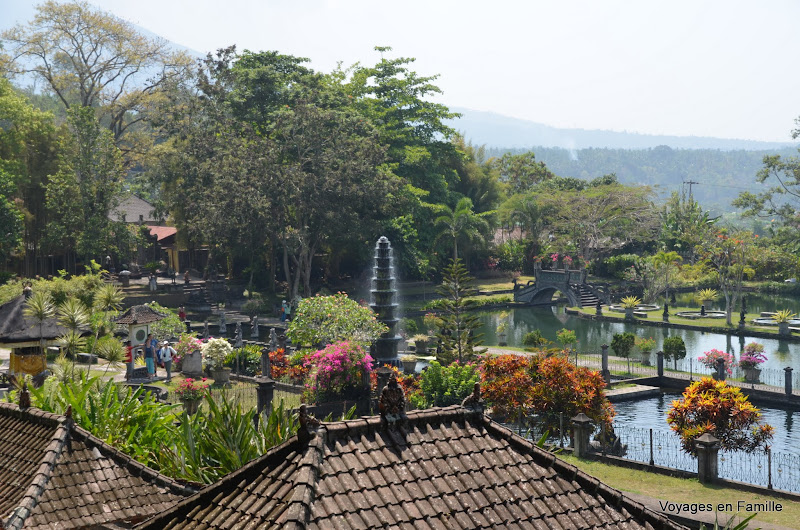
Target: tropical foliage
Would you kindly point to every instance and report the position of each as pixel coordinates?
(517, 387)
(322, 320)
(714, 407)
(440, 386)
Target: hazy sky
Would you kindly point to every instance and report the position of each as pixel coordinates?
(705, 68)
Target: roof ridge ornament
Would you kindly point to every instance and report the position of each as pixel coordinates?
(474, 402)
(308, 425)
(392, 403)
(24, 397)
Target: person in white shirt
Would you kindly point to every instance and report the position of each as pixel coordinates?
(166, 353)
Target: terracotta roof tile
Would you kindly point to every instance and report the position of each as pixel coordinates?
(440, 468)
(56, 475)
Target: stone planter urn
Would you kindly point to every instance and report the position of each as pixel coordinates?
(707, 303)
(783, 329)
(629, 313)
(421, 345)
(645, 358)
(409, 365)
(192, 364)
(221, 376)
(501, 339)
(751, 375)
(191, 405)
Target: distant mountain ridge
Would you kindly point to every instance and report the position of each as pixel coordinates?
(495, 130)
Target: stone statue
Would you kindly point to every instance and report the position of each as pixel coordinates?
(238, 337)
(223, 327)
(599, 308)
(392, 401)
(254, 328)
(273, 340)
(206, 333)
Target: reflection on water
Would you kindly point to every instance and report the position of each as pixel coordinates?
(591, 334)
(652, 413)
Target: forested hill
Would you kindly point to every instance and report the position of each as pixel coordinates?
(720, 175)
(495, 130)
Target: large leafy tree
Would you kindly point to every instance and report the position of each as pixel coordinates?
(731, 256)
(521, 172)
(29, 153)
(601, 216)
(684, 224)
(90, 58)
(86, 189)
(664, 261)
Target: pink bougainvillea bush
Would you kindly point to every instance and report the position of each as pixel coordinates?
(709, 359)
(337, 371)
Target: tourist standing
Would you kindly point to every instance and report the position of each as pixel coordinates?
(186, 277)
(167, 352)
(286, 310)
(182, 314)
(150, 355)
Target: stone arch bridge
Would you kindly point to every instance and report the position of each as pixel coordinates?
(572, 283)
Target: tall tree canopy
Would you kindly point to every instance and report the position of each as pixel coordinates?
(91, 58)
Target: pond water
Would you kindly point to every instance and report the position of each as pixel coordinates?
(592, 334)
(652, 413)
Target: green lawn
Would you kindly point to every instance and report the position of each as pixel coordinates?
(656, 316)
(678, 490)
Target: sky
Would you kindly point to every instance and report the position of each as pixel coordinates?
(725, 69)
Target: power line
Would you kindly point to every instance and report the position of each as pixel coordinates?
(690, 182)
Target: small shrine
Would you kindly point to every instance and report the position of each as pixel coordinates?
(138, 318)
(26, 337)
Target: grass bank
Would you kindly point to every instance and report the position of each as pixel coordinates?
(679, 490)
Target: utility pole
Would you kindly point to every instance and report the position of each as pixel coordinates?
(690, 182)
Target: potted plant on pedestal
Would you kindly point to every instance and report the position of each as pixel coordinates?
(629, 303)
(706, 297)
(191, 393)
(214, 353)
(783, 317)
(645, 345)
(409, 363)
(752, 357)
(709, 360)
(420, 341)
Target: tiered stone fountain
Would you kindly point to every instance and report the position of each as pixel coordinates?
(382, 302)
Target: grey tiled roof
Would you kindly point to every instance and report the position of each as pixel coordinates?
(16, 327)
(443, 468)
(54, 474)
(139, 314)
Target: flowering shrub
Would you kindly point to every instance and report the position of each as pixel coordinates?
(190, 389)
(186, 345)
(722, 410)
(645, 344)
(709, 359)
(517, 386)
(327, 319)
(214, 352)
(752, 356)
(337, 369)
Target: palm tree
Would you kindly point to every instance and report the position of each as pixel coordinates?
(112, 350)
(666, 260)
(40, 307)
(107, 298)
(462, 223)
(72, 314)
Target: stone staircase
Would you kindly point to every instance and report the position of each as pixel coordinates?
(587, 297)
